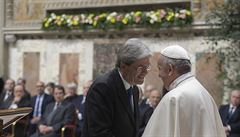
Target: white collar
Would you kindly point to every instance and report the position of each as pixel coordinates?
(178, 80)
(231, 106)
(125, 83)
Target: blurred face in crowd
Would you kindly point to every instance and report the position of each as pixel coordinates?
(18, 91)
(154, 98)
(148, 89)
(71, 91)
(21, 82)
(9, 85)
(58, 95)
(49, 89)
(40, 87)
(86, 86)
(235, 97)
(136, 72)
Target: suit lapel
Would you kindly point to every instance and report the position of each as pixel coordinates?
(122, 93)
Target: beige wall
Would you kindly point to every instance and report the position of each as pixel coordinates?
(1, 38)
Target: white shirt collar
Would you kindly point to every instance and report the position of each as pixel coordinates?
(231, 106)
(125, 83)
(178, 80)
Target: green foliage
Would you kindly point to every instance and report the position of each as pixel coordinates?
(225, 28)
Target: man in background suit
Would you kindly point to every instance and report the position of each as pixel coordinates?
(7, 95)
(81, 107)
(230, 115)
(56, 115)
(147, 110)
(111, 107)
(39, 103)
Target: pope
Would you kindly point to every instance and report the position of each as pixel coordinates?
(187, 110)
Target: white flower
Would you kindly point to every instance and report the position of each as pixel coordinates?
(64, 16)
(151, 21)
(183, 11)
(53, 16)
(177, 15)
(68, 20)
(113, 14)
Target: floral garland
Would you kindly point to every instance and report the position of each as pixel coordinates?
(115, 20)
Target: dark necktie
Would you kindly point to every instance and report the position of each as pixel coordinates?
(50, 116)
(130, 94)
(230, 113)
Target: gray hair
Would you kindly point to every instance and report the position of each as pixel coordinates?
(132, 51)
(182, 65)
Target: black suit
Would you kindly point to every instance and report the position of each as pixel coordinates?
(62, 115)
(233, 121)
(5, 104)
(107, 110)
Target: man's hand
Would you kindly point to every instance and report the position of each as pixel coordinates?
(45, 129)
(35, 120)
(227, 130)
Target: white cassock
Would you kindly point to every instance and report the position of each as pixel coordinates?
(187, 110)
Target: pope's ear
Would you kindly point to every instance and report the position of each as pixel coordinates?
(170, 69)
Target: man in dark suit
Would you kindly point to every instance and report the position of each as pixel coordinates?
(147, 110)
(230, 115)
(81, 107)
(38, 103)
(56, 115)
(111, 107)
(7, 95)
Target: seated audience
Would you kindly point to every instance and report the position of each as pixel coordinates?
(230, 115)
(56, 115)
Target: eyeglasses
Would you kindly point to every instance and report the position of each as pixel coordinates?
(140, 69)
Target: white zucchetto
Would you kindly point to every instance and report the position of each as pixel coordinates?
(175, 52)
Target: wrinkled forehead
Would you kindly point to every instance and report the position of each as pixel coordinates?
(161, 59)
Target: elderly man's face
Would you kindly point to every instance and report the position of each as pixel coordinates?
(18, 91)
(40, 87)
(163, 71)
(154, 97)
(136, 72)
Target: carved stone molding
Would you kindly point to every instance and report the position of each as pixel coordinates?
(63, 4)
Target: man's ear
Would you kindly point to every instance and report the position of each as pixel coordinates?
(170, 70)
